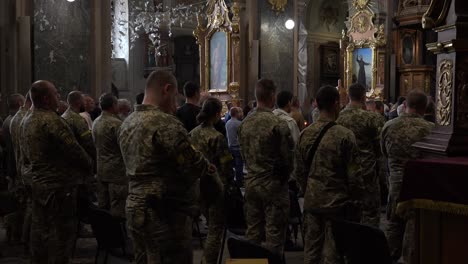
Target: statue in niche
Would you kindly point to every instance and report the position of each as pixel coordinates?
(362, 72)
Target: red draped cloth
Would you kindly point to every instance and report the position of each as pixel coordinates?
(435, 184)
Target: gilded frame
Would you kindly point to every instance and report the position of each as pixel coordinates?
(363, 34)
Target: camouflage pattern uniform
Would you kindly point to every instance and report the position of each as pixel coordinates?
(397, 137)
(111, 177)
(366, 127)
(13, 221)
(268, 150)
(83, 134)
(162, 168)
(331, 183)
(315, 114)
(214, 147)
(52, 151)
(24, 184)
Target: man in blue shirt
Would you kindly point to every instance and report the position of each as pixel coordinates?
(231, 128)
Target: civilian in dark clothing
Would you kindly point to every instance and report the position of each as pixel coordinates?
(187, 113)
(139, 98)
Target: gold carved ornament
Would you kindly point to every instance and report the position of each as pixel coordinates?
(278, 5)
(360, 4)
(444, 100)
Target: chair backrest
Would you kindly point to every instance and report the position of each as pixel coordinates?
(108, 230)
(241, 249)
(234, 208)
(361, 244)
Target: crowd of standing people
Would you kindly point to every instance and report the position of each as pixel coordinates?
(158, 166)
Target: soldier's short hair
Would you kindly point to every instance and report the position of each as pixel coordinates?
(191, 89)
(265, 90)
(161, 78)
(107, 101)
(235, 111)
(416, 99)
(327, 97)
(356, 92)
(283, 98)
(15, 101)
(74, 97)
(39, 90)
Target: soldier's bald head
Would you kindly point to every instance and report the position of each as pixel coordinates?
(417, 100)
(15, 101)
(265, 91)
(159, 79)
(75, 98)
(41, 94)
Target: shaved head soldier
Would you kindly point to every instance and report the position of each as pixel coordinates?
(23, 183)
(162, 168)
(52, 151)
(80, 128)
(267, 148)
(12, 221)
(112, 181)
(328, 172)
(398, 136)
(366, 126)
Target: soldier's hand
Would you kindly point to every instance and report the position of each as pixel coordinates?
(212, 169)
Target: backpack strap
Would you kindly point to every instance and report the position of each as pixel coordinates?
(314, 147)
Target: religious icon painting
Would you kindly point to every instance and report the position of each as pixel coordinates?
(219, 61)
(362, 67)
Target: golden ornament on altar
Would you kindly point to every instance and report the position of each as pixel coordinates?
(360, 4)
(278, 5)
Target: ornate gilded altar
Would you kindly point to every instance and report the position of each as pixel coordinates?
(364, 51)
(218, 38)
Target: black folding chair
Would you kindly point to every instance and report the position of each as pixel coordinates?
(235, 219)
(241, 249)
(109, 232)
(360, 244)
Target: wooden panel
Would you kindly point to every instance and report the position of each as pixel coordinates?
(454, 239)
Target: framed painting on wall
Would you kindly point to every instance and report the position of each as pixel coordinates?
(219, 61)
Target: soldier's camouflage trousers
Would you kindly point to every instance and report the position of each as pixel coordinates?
(267, 214)
(54, 224)
(319, 245)
(371, 200)
(216, 222)
(112, 197)
(159, 239)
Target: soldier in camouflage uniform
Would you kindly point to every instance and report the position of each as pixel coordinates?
(397, 137)
(52, 151)
(111, 177)
(24, 183)
(214, 147)
(267, 148)
(78, 124)
(13, 221)
(366, 126)
(331, 180)
(162, 168)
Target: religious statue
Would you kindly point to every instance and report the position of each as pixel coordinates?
(278, 5)
(362, 72)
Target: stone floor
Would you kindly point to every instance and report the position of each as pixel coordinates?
(86, 250)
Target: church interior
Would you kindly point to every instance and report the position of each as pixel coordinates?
(389, 47)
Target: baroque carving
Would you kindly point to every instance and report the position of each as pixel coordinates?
(360, 4)
(444, 100)
(278, 5)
